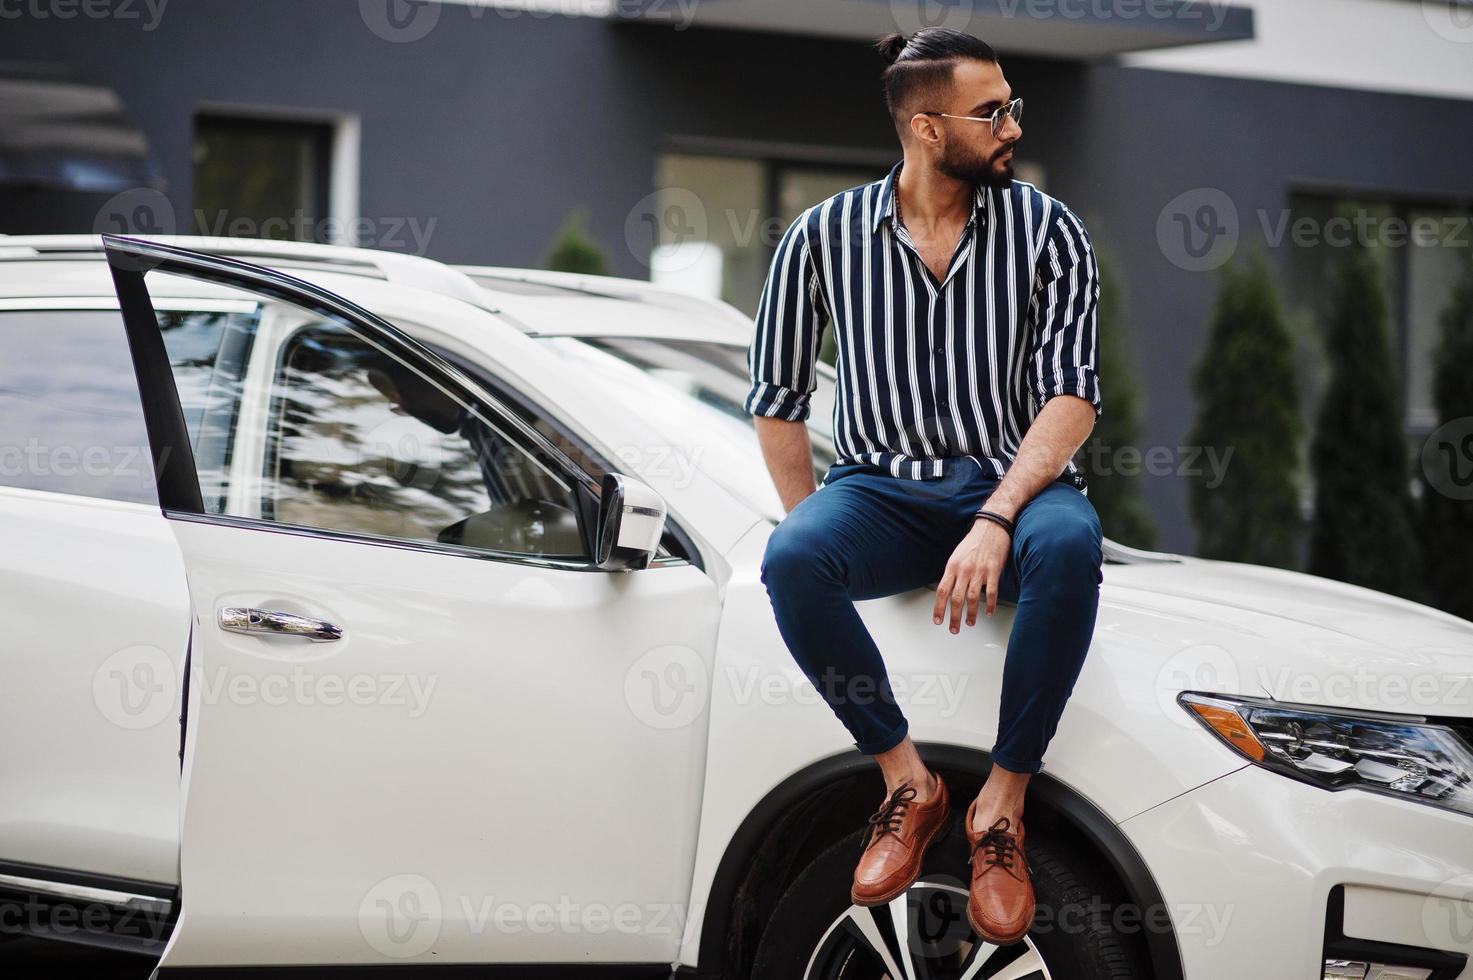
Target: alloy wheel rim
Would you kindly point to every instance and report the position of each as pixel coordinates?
(921, 933)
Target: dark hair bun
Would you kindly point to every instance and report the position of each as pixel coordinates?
(891, 46)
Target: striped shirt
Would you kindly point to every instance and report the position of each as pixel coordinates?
(927, 370)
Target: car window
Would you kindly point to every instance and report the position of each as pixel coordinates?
(358, 441)
(70, 417)
(312, 420)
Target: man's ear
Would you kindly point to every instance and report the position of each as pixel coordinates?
(923, 128)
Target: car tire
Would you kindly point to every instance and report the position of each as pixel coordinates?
(816, 933)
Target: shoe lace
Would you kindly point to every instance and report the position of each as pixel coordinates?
(886, 820)
(998, 846)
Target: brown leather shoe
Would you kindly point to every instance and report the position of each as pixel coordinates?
(899, 833)
(1000, 900)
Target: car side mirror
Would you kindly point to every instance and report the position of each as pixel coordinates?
(631, 521)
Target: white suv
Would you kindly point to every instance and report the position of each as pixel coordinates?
(390, 613)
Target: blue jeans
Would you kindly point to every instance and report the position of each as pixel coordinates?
(865, 534)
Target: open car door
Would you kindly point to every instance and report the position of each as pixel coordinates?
(409, 720)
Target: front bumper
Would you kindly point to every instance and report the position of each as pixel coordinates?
(1247, 864)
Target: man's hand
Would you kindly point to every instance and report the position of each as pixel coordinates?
(1057, 432)
(975, 566)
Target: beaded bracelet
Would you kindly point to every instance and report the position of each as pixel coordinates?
(997, 519)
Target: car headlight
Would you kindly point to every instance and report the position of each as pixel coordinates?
(1339, 749)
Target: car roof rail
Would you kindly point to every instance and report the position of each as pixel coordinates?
(395, 267)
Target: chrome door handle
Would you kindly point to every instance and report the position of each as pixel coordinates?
(272, 622)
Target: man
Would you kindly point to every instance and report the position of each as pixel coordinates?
(963, 304)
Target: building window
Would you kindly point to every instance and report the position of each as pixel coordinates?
(1419, 248)
(719, 218)
(262, 178)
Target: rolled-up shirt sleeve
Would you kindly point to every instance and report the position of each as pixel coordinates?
(1064, 311)
(789, 324)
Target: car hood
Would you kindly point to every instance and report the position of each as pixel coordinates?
(1297, 638)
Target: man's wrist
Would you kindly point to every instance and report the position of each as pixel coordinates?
(1002, 506)
(987, 516)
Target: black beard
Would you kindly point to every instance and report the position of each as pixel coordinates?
(974, 171)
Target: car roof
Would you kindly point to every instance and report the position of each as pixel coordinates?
(537, 302)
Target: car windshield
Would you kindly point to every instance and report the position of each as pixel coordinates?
(698, 407)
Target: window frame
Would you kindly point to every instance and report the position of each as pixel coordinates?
(178, 486)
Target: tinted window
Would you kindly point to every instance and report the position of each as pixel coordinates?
(307, 418)
(360, 441)
(70, 417)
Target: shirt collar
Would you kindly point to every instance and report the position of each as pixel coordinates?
(885, 206)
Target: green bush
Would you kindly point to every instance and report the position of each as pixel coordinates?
(1247, 406)
(1363, 531)
(1447, 516)
(574, 249)
(1115, 486)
